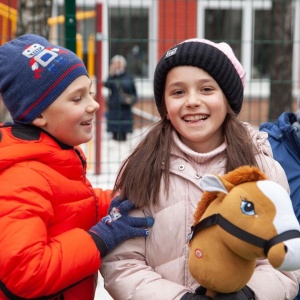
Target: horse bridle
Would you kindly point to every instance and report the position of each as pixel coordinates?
(218, 219)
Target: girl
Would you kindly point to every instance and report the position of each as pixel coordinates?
(198, 88)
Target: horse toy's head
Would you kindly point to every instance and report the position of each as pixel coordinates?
(241, 217)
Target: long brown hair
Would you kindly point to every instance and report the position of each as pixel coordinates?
(141, 173)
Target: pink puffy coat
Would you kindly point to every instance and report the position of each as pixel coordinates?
(157, 267)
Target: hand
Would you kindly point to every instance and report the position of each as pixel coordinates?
(117, 226)
(198, 295)
(244, 294)
(112, 69)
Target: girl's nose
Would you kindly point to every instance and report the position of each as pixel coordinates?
(193, 99)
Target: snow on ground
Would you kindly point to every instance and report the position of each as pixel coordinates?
(101, 293)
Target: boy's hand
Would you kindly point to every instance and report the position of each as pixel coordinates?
(117, 226)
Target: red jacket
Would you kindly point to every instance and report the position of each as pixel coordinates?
(46, 206)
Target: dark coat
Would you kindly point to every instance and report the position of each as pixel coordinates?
(119, 116)
(285, 143)
(286, 150)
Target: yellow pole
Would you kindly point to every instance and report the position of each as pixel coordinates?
(91, 55)
(79, 46)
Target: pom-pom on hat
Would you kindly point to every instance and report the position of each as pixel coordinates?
(217, 59)
(33, 74)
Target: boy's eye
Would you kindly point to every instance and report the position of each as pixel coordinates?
(77, 99)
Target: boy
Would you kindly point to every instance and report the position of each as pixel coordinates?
(51, 239)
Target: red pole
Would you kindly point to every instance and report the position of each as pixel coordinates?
(98, 71)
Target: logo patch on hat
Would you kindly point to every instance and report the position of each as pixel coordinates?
(171, 52)
(41, 56)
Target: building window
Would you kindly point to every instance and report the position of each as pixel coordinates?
(224, 25)
(262, 46)
(129, 35)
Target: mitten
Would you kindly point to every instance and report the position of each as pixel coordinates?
(244, 294)
(198, 295)
(117, 226)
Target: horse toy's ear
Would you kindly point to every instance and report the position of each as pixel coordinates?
(213, 183)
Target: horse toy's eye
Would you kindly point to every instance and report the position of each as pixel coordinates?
(247, 208)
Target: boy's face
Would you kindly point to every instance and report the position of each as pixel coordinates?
(70, 117)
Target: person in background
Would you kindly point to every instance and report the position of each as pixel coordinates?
(121, 86)
(53, 237)
(198, 89)
(284, 137)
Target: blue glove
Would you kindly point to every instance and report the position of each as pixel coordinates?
(244, 294)
(117, 226)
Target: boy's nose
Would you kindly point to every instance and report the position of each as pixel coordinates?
(93, 105)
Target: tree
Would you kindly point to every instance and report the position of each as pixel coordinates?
(33, 16)
(281, 62)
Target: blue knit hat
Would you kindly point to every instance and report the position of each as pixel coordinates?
(33, 74)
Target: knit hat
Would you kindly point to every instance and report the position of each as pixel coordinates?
(216, 59)
(33, 74)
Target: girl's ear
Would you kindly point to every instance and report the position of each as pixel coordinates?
(39, 121)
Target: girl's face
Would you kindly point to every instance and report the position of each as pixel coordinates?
(196, 107)
(69, 118)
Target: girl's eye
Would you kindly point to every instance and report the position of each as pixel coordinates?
(207, 89)
(91, 93)
(177, 92)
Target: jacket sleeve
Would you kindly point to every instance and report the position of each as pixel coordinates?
(127, 276)
(104, 199)
(31, 255)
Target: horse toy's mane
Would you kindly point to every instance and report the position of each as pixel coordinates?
(236, 177)
(240, 218)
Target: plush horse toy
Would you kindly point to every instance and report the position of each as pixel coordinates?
(241, 217)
